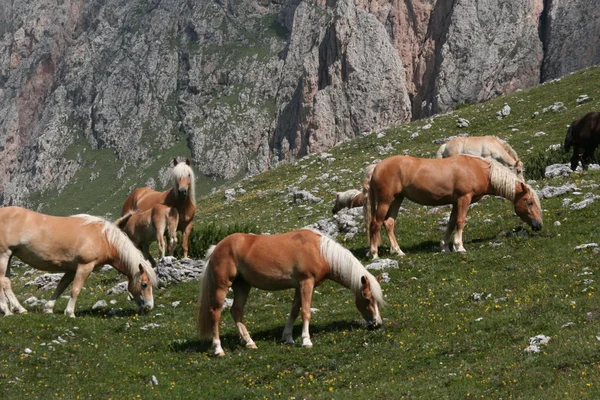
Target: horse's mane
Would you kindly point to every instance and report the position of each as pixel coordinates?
(347, 268)
(508, 149)
(181, 170)
(131, 256)
(504, 181)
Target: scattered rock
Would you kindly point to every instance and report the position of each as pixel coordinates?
(46, 281)
(555, 191)
(229, 194)
(99, 304)
(583, 98)
(382, 263)
(505, 112)
(462, 123)
(585, 246)
(171, 270)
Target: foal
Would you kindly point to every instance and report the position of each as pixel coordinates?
(145, 227)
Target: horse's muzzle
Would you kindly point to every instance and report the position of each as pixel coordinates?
(182, 193)
(536, 225)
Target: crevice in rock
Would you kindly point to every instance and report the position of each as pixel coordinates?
(544, 32)
(437, 32)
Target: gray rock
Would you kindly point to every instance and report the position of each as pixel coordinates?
(99, 304)
(382, 263)
(46, 281)
(555, 191)
(171, 270)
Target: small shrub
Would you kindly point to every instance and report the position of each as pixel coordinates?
(201, 238)
(535, 165)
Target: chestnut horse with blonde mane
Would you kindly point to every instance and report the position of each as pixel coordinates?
(75, 245)
(147, 227)
(460, 180)
(182, 197)
(300, 259)
(489, 147)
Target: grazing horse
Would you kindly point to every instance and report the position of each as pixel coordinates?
(75, 245)
(459, 180)
(352, 198)
(300, 259)
(182, 197)
(489, 147)
(146, 227)
(584, 135)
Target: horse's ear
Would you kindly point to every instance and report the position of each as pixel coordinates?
(187, 161)
(524, 187)
(364, 281)
(175, 162)
(141, 269)
(378, 278)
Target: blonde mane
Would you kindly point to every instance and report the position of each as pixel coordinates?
(130, 255)
(182, 170)
(508, 148)
(345, 267)
(505, 181)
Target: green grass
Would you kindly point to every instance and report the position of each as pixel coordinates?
(437, 342)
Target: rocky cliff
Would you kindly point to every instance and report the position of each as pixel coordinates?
(240, 85)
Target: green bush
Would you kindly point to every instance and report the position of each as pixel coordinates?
(201, 238)
(535, 165)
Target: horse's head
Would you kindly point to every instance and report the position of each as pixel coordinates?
(140, 286)
(367, 304)
(527, 206)
(184, 178)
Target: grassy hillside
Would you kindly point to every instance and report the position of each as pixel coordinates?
(437, 340)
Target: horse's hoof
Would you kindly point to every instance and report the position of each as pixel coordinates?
(21, 311)
(219, 354)
(251, 346)
(289, 342)
(307, 346)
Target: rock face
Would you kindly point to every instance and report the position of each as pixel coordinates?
(247, 84)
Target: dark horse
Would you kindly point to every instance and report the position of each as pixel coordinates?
(584, 136)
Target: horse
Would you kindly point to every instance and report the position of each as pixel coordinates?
(75, 245)
(300, 259)
(489, 147)
(182, 197)
(146, 227)
(584, 136)
(458, 180)
(352, 198)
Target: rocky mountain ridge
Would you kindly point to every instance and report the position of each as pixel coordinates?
(241, 85)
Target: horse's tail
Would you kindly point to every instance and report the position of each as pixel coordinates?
(207, 288)
(121, 222)
(368, 200)
(568, 138)
(440, 152)
(209, 253)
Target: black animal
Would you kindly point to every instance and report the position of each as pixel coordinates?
(584, 135)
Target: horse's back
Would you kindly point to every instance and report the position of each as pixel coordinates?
(141, 199)
(428, 181)
(270, 262)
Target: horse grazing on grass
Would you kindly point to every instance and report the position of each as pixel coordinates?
(489, 147)
(75, 245)
(182, 197)
(352, 198)
(584, 136)
(459, 180)
(300, 259)
(146, 227)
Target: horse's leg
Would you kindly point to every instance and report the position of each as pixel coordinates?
(215, 311)
(389, 221)
(159, 228)
(4, 280)
(8, 301)
(461, 219)
(306, 291)
(82, 273)
(375, 227)
(445, 242)
(184, 239)
(240, 294)
(289, 327)
(65, 281)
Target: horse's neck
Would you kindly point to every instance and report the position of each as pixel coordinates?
(185, 208)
